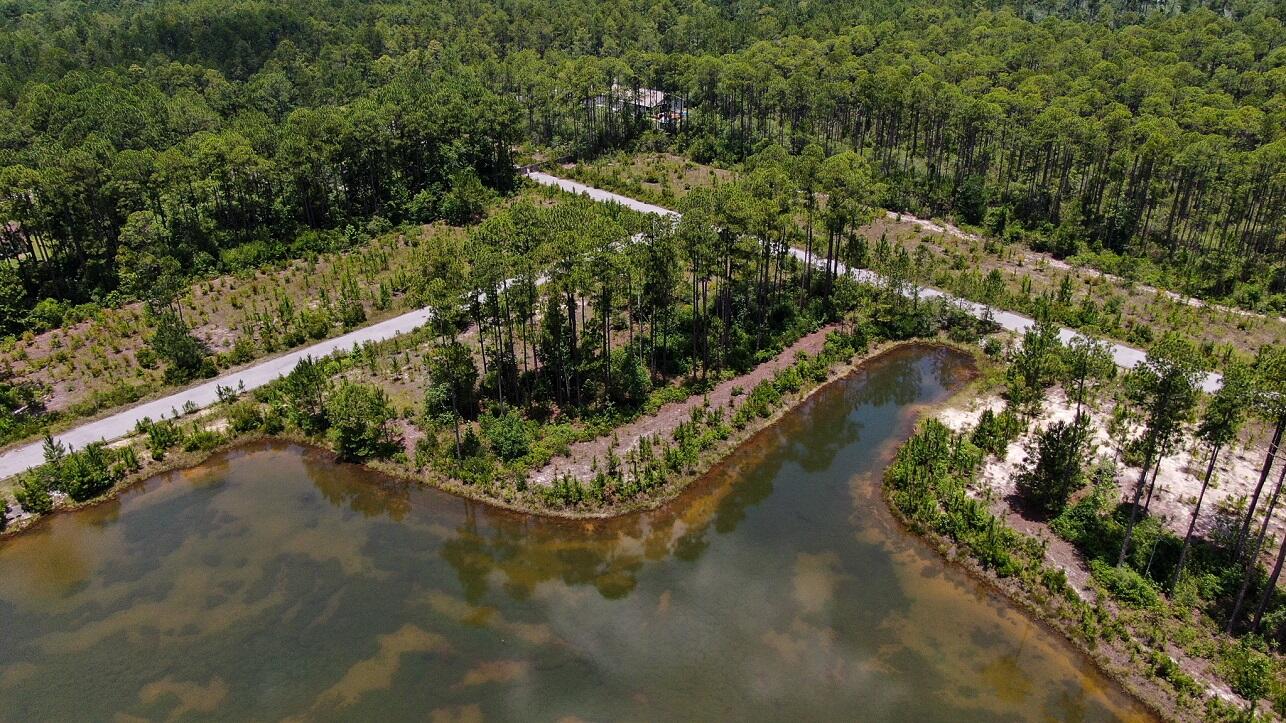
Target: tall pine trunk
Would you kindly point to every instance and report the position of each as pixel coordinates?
(1253, 560)
(1196, 512)
(1269, 458)
(1134, 510)
(1271, 587)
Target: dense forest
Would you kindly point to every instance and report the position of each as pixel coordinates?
(143, 140)
(1158, 141)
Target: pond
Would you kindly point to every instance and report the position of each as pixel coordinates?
(273, 583)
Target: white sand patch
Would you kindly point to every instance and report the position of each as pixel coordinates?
(1236, 474)
(1178, 482)
(966, 413)
(996, 479)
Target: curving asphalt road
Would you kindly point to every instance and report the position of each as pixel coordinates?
(122, 423)
(599, 194)
(1124, 356)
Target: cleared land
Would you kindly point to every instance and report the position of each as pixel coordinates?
(581, 457)
(95, 365)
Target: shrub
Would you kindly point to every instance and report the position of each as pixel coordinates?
(202, 440)
(114, 396)
(1087, 523)
(186, 356)
(1034, 367)
(664, 395)
(565, 491)
(423, 206)
(351, 311)
(470, 445)
(788, 381)
(303, 395)
(244, 416)
(87, 473)
(1168, 670)
(315, 323)
(475, 470)
(994, 432)
(1125, 584)
(992, 347)
(507, 435)
(466, 200)
(252, 254)
(360, 417)
(33, 494)
(227, 395)
(1249, 671)
(316, 242)
(146, 358)
(127, 458)
(1054, 469)
(47, 314)
(426, 448)
(161, 436)
(763, 398)
(243, 350)
(631, 381)
(273, 421)
(20, 409)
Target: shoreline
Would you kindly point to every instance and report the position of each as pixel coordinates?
(709, 459)
(179, 460)
(675, 488)
(1003, 590)
(1140, 688)
(1043, 617)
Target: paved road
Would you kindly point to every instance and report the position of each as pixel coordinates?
(122, 423)
(953, 230)
(597, 194)
(115, 426)
(1125, 356)
(21, 459)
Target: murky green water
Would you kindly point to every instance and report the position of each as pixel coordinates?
(274, 584)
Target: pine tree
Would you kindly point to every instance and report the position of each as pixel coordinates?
(1164, 390)
(1220, 422)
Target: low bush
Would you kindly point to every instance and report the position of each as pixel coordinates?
(507, 435)
(1168, 670)
(1126, 584)
(33, 494)
(244, 416)
(202, 440)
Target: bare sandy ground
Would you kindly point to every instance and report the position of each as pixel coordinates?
(1178, 481)
(580, 461)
